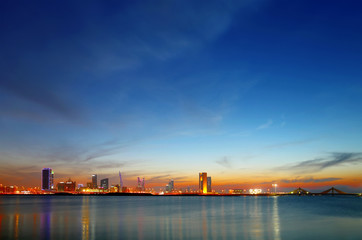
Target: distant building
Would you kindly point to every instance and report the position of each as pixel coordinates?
(203, 182)
(104, 183)
(94, 181)
(237, 191)
(69, 186)
(60, 186)
(89, 184)
(141, 184)
(170, 186)
(120, 180)
(209, 184)
(47, 179)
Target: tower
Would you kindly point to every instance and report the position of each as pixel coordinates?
(47, 179)
(208, 184)
(104, 183)
(203, 183)
(120, 180)
(94, 181)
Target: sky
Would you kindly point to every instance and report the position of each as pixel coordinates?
(251, 92)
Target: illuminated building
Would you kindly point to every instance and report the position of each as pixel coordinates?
(140, 184)
(203, 182)
(69, 186)
(208, 184)
(170, 186)
(89, 184)
(47, 179)
(104, 183)
(237, 191)
(120, 180)
(94, 181)
(60, 186)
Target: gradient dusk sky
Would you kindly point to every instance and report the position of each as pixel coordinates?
(252, 92)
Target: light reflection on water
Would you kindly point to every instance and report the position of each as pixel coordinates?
(102, 217)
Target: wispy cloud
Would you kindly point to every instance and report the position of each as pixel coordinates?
(319, 164)
(310, 179)
(225, 162)
(265, 125)
(303, 180)
(291, 143)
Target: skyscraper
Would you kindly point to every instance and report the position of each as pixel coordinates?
(141, 184)
(94, 181)
(203, 182)
(208, 184)
(171, 185)
(47, 179)
(104, 183)
(120, 180)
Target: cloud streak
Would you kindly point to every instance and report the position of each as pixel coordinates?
(265, 125)
(225, 162)
(335, 159)
(309, 180)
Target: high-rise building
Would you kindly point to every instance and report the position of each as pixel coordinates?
(203, 182)
(69, 186)
(94, 181)
(60, 186)
(171, 186)
(104, 183)
(141, 184)
(208, 184)
(120, 180)
(47, 179)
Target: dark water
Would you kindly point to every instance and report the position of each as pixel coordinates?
(102, 217)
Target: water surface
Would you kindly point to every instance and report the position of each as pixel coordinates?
(147, 217)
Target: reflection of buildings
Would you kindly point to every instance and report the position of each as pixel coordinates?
(204, 183)
(85, 219)
(104, 183)
(47, 179)
(94, 181)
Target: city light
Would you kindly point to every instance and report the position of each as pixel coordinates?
(275, 187)
(255, 191)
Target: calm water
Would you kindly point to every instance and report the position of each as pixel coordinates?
(101, 217)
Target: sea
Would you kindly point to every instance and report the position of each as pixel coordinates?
(180, 217)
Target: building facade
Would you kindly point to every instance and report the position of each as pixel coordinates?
(47, 179)
(94, 181)
(209, 184)
(203, 182)
(104, 183)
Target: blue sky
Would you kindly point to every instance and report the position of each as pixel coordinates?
(241, 89)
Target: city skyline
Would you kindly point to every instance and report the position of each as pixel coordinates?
(252, 92)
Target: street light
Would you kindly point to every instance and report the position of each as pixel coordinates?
(275, 187)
